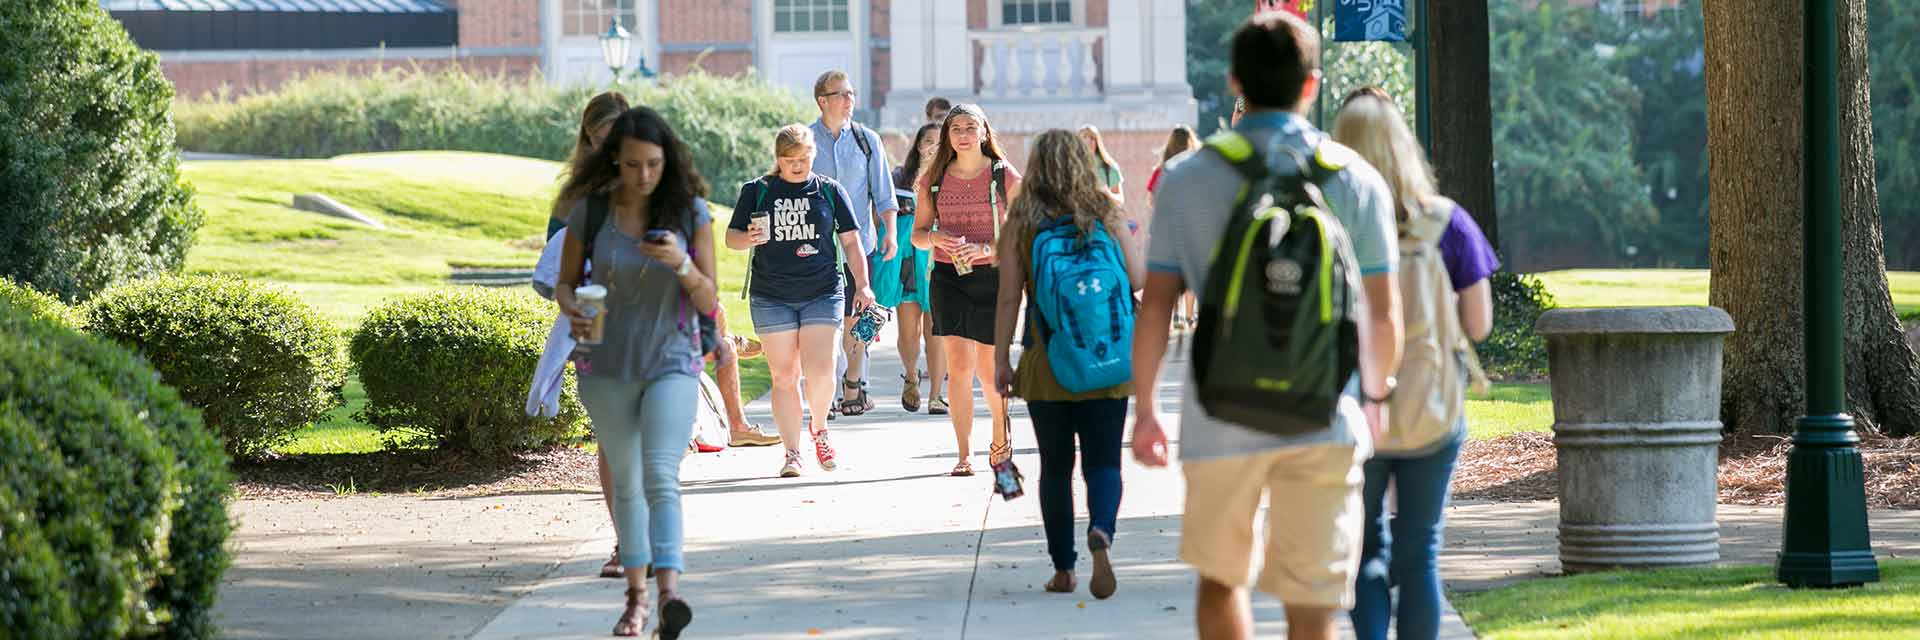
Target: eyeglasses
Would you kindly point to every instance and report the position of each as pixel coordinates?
(848, 94)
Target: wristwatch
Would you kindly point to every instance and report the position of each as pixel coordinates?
(1388, 397)
(686, 267)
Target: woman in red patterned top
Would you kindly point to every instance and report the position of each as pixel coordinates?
(965, 192)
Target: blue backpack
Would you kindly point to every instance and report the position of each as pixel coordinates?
(1084, 304)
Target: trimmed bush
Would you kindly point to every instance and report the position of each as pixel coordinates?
(728, 122)
(450, 370)
(1512, 351)
(258, 363)
(113, 497)
(37, 304)
(90, 187)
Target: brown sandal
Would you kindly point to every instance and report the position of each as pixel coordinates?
(635, 617)
(612, 568)
(963, 469)
(675, 615)
(1062, 582)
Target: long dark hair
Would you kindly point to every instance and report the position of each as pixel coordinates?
(671, 204)
(600, 111)
(910, 167)
(989, 146)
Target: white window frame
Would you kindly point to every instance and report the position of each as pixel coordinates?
(997, 19)
(571, 14)
(847, 9)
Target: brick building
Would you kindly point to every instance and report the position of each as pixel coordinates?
(1033, 64)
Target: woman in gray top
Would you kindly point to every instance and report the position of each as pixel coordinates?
(653, 252)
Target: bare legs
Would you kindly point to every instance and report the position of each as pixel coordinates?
(916, 328)
(970, 361)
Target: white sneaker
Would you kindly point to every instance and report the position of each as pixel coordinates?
(792, 468)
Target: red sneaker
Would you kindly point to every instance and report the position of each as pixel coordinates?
(823, 450)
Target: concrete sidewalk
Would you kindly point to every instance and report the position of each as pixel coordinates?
(889, 546)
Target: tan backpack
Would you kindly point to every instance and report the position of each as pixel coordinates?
(1437, 361)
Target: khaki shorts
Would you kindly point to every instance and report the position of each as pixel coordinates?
(1314, 521)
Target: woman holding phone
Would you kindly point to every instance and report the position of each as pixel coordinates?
(799, 228)
(648, 233)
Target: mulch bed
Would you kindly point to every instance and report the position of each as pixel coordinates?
(1753, 470)
(403, 472)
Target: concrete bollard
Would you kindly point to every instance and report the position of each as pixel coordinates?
(1636, 410)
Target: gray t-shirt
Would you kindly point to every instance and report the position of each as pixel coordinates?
(652, 329)
(1195, 199)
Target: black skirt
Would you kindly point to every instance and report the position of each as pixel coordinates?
(964, 305)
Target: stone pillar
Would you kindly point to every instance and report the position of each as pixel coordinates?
(1636, 406)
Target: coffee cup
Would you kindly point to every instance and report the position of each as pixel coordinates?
(762, 226)
(592, 300)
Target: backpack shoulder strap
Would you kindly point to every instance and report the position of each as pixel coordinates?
(596, 218)
(860, 139)
(1329, 159)
(1239, 152)
(833, 233)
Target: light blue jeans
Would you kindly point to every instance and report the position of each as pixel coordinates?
(643, 428)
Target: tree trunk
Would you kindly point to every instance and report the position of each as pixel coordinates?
(1462, 116)
(1754, 98)
(1883, 379)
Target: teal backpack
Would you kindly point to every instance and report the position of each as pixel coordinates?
(1278, 336)
(1084, 305)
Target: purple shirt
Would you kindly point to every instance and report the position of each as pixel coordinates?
(1465, 250)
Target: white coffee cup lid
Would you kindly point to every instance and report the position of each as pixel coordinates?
(592, 291)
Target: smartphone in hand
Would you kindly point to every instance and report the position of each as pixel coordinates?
(657, 236)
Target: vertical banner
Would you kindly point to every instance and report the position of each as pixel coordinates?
(1370, 20)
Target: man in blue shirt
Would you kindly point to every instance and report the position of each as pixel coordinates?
(852, 154)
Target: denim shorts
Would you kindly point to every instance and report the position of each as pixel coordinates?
(773, 316)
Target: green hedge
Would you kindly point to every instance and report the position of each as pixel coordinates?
(1512, 351)
(450, 369)
(113, 496)
(258, 363)
(38, 304)
(729, 122)
(89, 187)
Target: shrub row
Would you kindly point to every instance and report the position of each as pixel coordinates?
(1512, 351)
(113, 496)
(728, 121)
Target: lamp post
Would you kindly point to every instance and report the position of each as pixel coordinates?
(615, 46)
(1825, 538)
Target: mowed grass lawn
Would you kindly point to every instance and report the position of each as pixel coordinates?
(1724, 602)
(440, 209)
(1678, 287)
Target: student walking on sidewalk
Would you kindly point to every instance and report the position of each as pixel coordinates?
(963, 197)
(852, 155)
(1444, 264)
(652, 250)
(799, 228)
(902, 283)
(1081, 277)
(1307, 471)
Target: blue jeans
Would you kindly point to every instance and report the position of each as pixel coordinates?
(1404, 548)
(773, 316)
(643, 428)
(1099, 425)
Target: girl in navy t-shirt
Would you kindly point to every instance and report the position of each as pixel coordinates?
(799, 227)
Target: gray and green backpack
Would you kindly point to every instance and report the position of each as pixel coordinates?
(1278, 336)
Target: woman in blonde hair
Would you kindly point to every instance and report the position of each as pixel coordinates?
(1061, 190)
(963, 196)
(595, 122)
(800, 229)
(1401, 548)
(1105, 166)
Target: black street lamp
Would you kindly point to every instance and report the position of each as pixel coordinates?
(1825, 542)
